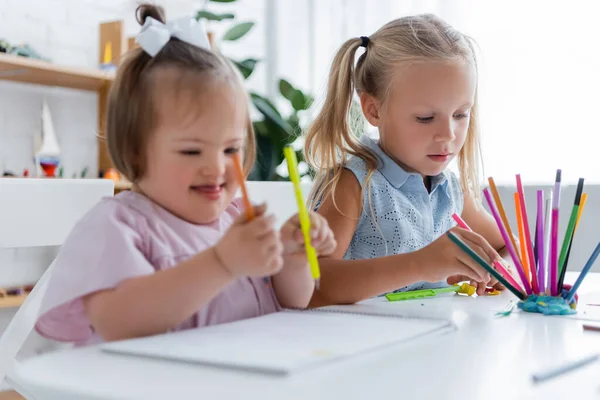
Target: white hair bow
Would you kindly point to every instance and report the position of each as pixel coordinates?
(155, 35)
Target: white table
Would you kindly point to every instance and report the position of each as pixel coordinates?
(488, 357)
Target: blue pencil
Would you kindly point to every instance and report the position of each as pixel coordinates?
(583, 273)
(563, 369)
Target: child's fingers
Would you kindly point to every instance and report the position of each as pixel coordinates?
(269, 239)
(260, 209)
(475, 240)
(454, 279)
(262, 225)
(329, 248)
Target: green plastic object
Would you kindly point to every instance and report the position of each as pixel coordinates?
(419, 294)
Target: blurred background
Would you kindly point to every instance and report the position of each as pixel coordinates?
(539, 80)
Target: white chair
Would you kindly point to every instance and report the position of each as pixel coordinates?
(33, 213)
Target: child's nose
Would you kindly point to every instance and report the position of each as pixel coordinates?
(445, 132)
(215, 166)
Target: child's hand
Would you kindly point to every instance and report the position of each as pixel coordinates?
(481, 286)
(251, 248)
(322, 239)
(443, 259)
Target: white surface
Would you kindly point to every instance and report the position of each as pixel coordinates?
(488, 357)
(318, 338)
(279, 196)
(38, 213)
(41, 212)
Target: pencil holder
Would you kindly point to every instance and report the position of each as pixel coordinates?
(539, 261)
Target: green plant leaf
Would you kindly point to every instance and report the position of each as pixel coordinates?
(266, 160)
(271, 117)
(294, 122)
(286, 89)
(298, 100)
(207, 15)
(237, 31)
(260, 128)
(246, 66)
(263, 101)
(223, 1)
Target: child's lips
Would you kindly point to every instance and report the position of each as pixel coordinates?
(212, 192)
(439, 157)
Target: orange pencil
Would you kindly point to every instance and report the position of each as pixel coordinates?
(241, 178)
(500, 207)
(522, 241)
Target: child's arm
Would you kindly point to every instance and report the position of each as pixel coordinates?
(159, 302)
(294, 285)
(350, 281)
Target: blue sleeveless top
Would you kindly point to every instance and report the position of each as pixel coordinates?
(406, 216)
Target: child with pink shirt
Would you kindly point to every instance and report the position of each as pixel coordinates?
(176, 252)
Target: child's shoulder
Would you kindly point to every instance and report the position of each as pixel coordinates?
(126, 208)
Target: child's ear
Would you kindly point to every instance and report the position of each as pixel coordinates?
(370, 107)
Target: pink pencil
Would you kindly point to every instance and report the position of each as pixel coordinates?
(553, 266)
(507, 242)
(528, 244)
(497, 264)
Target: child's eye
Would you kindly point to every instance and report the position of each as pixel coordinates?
(190, 152)
(232, 150)
(461, 115)
(424, 120)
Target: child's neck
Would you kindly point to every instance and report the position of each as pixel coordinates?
(427, 182)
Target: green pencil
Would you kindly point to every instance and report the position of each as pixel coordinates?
(419, 294)
(568, 240)
(471, 253)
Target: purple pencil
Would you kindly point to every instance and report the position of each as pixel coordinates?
(540, 241)
(507, 242)
(553, 266)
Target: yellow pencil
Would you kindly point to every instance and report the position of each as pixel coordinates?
(311, 254)
(583, 200)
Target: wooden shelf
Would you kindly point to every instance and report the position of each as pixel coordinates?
(28, 70)
(12, 301)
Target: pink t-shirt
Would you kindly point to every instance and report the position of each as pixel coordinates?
(127, 236)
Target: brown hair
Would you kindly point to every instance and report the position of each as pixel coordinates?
(330, 139)
(131, 105)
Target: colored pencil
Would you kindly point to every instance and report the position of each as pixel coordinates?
(498, 201)
(583, 273)
(471, 253)
(241, 178)
(303, 215)
(583, 200)
(548, 239)
(553, 266)
(569, 235)
(497, 264)
(508, 242)
(522, 244)
(528, 240)
(539, 229)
